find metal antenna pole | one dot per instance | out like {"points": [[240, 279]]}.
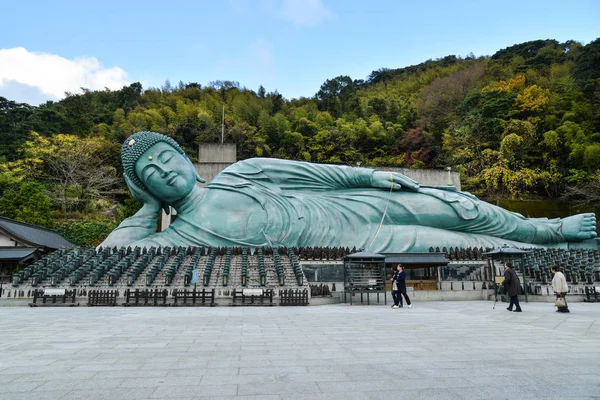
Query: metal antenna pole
{"points": [[223, 126]]}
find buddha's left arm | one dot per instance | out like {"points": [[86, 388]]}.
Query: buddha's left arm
{"points": [[295, 175]]}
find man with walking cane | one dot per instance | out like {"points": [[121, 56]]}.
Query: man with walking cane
{"points": [[512, 285]]}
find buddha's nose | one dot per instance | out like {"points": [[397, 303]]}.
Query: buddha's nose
{"points": [[165, 172]]}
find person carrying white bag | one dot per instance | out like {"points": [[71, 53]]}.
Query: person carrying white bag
{"points": [[559, 284]]}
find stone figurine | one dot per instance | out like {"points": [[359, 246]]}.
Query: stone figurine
{"points": [[272, 202]]}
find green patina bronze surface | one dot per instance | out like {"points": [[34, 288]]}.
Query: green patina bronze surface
{"points": [[271, 202]]}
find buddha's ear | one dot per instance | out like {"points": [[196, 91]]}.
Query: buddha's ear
{"points": [[198, 177]]}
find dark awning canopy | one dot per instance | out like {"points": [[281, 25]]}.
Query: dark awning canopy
{"points": [[15, 253], [425, 259]]}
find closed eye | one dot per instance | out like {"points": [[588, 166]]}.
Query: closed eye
{"points": [[149, 173], [165, 156]]}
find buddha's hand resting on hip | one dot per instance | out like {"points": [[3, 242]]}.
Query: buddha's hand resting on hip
{"points": [[395, 180]]}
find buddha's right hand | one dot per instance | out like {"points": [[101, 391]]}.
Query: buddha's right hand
{"points": [[393, 180], [144, 196]]}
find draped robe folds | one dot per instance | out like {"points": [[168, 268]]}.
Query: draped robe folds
{"points": [[310, 204]]}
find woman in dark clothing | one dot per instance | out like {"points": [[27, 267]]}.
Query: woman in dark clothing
{"points": [[400, 279], [395, 293], [512, 285]]}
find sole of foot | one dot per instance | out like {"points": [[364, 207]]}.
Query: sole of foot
{"points": [[579, 227]]}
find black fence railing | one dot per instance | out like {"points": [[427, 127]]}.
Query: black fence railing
{"points": [[291, 297], [252, 297], [184, 297], [146, 297], [591, 295], [54, 297], [102, 297]]}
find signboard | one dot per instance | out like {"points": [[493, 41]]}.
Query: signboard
{"points": [[252, 292], [54, 292], [195, 274]]}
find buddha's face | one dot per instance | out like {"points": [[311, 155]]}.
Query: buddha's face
{"points": [[167, 174]]}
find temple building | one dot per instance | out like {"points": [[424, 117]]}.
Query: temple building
{"points": [[22, 243]]}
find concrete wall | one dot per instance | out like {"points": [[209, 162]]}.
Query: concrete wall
{"points": [[208, 171], [217, 153], [428, 176], [214, 158]]}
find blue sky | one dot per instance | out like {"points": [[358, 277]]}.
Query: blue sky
{"points": [[293, 46]]}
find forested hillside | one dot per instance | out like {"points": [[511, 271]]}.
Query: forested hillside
{"points": [[521, 124]]}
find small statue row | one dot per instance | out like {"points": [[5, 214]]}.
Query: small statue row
{"points": [[462, 254], [320, 290]]}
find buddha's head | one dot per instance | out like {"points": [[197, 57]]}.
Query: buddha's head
{"points": [[156, 163]]}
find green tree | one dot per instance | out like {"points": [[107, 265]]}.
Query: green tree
{"points": [[27, 202], [334, 94]]}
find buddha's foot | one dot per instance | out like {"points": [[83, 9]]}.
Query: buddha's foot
{"points": [[579, 227]]}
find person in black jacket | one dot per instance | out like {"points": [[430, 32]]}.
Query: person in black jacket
{"points": [[399, 279], [512, 285], [395, 293]]}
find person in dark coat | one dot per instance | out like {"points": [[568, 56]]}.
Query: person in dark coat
{"points": [[400, 279], [395, 293], [512, 285]]}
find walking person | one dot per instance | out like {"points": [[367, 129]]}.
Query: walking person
{"points": [[395, 293], [512, 285], [401, 279], [559, 284]]}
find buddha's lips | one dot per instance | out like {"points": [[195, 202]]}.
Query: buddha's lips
{"points": [[172, 179]]}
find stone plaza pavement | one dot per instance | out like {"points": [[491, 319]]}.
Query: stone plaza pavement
{"points": [[436, 350]]}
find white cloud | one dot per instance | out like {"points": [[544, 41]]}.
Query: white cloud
{"points": [[53, 75], [305, 12]]}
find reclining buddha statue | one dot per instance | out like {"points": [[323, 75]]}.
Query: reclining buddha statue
{"points": [[271, 202]]}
